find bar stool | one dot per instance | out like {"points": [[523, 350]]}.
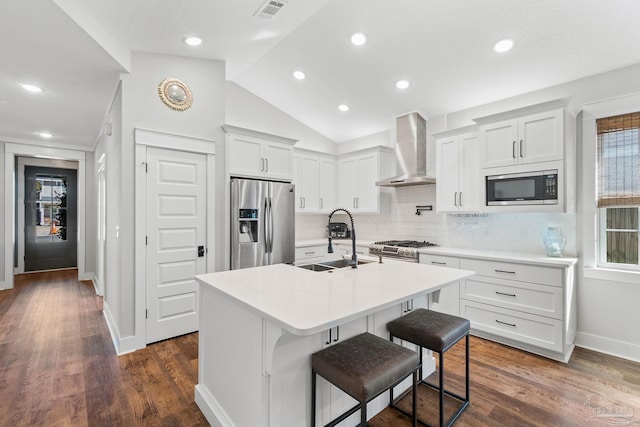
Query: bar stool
{"points": [[437, 332], [364, 367]]}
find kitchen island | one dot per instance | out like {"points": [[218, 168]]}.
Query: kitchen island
{"points": [[259, 326]]}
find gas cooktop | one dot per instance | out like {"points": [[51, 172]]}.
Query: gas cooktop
{"points": [[406, 250], [405, 243]]}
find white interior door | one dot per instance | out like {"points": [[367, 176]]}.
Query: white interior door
{"points": [[176, 239]]}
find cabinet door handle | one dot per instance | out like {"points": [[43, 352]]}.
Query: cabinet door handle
{"points": [[455, 199], [460, 198], [522, 148], [261, 164], [505, 323], [438, 263], [300, 203], [321, 203], [266, 165], [337, 338], [329, 340], [310, 253], [505, 271], [513, 150], [354, 202], [304, 202], [357, 202], [505, 294]]}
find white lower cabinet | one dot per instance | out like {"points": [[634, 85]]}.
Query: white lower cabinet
{"points": [[310, 254], [527, 306], [446, 300]]}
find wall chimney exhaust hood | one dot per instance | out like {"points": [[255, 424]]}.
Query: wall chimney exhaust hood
{"points": [[411, 153]]}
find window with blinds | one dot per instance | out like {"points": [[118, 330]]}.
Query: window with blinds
{"points": [[618, 188], [619, 160]]}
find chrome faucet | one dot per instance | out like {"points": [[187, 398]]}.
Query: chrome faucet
{"points": [[354, 257]]}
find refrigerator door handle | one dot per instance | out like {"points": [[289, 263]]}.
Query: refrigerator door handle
{"points": [[270, 226]]}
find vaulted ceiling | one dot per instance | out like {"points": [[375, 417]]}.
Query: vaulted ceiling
{"points": [[75, 50]]}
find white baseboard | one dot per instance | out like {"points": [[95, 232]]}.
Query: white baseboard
{"points": [[121, 345], [609, 346], [210, 408]]}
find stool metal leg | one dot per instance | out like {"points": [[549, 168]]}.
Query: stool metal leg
{"points": [[363, 415], [441, 358], [313, 398]]}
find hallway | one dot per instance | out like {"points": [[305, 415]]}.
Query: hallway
{"points": [[58, 365]]}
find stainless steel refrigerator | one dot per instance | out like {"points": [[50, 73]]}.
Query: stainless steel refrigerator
{"points": [[262, 223]]}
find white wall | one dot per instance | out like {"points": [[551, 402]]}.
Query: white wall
{"points": [[111, 147], [3, 231], [142, 108], [246, 110]]}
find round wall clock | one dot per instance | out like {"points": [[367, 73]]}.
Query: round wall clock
{"points": [[175, 94]]}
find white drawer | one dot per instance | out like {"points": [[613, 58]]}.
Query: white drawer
{"points": [[440, 260], [523, 327], [514, 271], [311, 252], [528, 297]]}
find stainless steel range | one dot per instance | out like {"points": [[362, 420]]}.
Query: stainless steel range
{"points": [[401, 250]]}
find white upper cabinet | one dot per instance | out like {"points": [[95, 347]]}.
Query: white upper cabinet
{"points": [[357, 176], [258, 155], [528, 139], [458, 172], [314, 178], [327, 185]]}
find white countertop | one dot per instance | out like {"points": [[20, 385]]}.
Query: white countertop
{"points": [[500, 256], [306, 302]]}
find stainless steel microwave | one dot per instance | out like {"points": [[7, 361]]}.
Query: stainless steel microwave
{"points": [[529, 188]]}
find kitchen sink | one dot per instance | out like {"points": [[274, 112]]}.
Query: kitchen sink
{"points": [[341, 263], [315, 267], [331, 265]]}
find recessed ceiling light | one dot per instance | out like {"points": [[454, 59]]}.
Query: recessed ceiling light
{"points": [[402, 84], [193, 41], [503, 46], [45, 134], [31, 88], [300, 75], [358, 39], [343, 107]]}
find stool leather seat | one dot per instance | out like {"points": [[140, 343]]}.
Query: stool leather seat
{"points": [[365, 365], [430, 329]]}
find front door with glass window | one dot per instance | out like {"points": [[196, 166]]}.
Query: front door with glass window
{"points": [[50, 218]]}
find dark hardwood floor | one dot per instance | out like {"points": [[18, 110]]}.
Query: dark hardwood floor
{"points": [[58, 368]]}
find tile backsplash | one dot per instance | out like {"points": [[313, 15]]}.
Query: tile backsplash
{"points": [[521, 232]]}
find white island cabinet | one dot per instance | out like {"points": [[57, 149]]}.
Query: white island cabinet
{"points": [[259, 327]]}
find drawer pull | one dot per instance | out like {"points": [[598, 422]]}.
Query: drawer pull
{"points": [[438, 263], [505, 294], [310, 253], [505, 323], [505, 271]]}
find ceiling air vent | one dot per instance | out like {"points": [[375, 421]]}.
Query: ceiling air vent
{"points": [[269, 9]]}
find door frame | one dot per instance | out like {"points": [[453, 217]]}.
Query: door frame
{"points": [[146, 138], [31, 161], [13, 150]]}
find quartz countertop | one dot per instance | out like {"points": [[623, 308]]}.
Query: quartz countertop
{"points": [[500, 256], [305, 302]]}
